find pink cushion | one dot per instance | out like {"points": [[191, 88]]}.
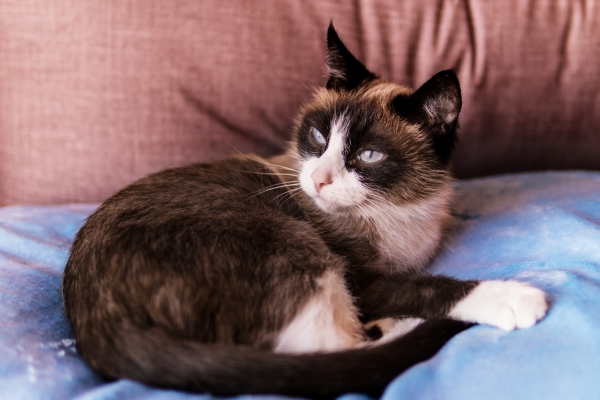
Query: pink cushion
{"points": [[95, 94]]}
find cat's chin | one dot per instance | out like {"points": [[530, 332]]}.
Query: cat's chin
{"points": [[323, 205], [329, 207]]}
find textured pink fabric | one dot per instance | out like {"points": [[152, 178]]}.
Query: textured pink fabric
{"points": [[95, 94]]}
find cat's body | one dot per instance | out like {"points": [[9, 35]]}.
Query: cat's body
{"points": [[198, 278]]}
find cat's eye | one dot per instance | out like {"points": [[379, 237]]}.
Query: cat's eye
{"points": [[370, 156], [318, 136]]}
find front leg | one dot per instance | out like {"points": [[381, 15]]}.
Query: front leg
{"points": [[505, 304]]}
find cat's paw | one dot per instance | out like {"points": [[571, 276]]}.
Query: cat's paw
{"points": [[506, 304]]}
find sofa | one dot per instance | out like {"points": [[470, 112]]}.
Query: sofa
{"points": [[97, 94]]}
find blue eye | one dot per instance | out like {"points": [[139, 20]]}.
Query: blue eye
{"points": [[370, 156], [318, 136]]}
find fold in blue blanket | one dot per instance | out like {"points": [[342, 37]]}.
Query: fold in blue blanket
{"points": [[541, 228]]}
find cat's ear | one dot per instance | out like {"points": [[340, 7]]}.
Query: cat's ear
{"points": [[435, 106], [345, 71]]}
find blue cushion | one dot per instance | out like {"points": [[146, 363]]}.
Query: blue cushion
{"points": [[541, 228]]}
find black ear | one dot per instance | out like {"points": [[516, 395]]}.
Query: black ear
{"points": [[435, 106], [345, 71]]}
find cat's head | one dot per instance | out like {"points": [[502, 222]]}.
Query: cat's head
{"points": [[365, 140]]}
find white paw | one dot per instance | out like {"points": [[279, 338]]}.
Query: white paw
{"points": [[506, 304]]}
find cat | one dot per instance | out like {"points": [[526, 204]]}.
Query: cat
{"points": [[302, 274]]}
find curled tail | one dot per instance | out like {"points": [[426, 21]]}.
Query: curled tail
{"points": [[154, 358]]}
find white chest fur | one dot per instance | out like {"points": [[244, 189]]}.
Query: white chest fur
{"points": [[409, 235]]}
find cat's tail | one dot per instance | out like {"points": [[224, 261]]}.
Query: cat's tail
{"points": [[152, 357]]}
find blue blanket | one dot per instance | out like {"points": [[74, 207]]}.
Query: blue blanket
{"points": [[540, 228]]}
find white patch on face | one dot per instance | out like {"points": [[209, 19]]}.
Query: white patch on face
{"points": [[409, 235], [506, 304], [328, 322], [343, 188]]}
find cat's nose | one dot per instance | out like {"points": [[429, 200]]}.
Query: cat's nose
{"points": [[321, 178]]}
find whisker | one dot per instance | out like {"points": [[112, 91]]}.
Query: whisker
{"points": [[280, 166], [274, 187], [379, 197], [289, 193], [265, 162], [234, 148], [267, 173], [312, 90]]}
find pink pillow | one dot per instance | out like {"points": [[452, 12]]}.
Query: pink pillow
{"points": [[95, 94]]}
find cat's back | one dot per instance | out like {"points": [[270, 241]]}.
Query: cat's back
{"points": [[189, 246], [229, 186]]}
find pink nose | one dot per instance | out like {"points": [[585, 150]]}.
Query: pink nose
{"points": [[320, 178]]}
